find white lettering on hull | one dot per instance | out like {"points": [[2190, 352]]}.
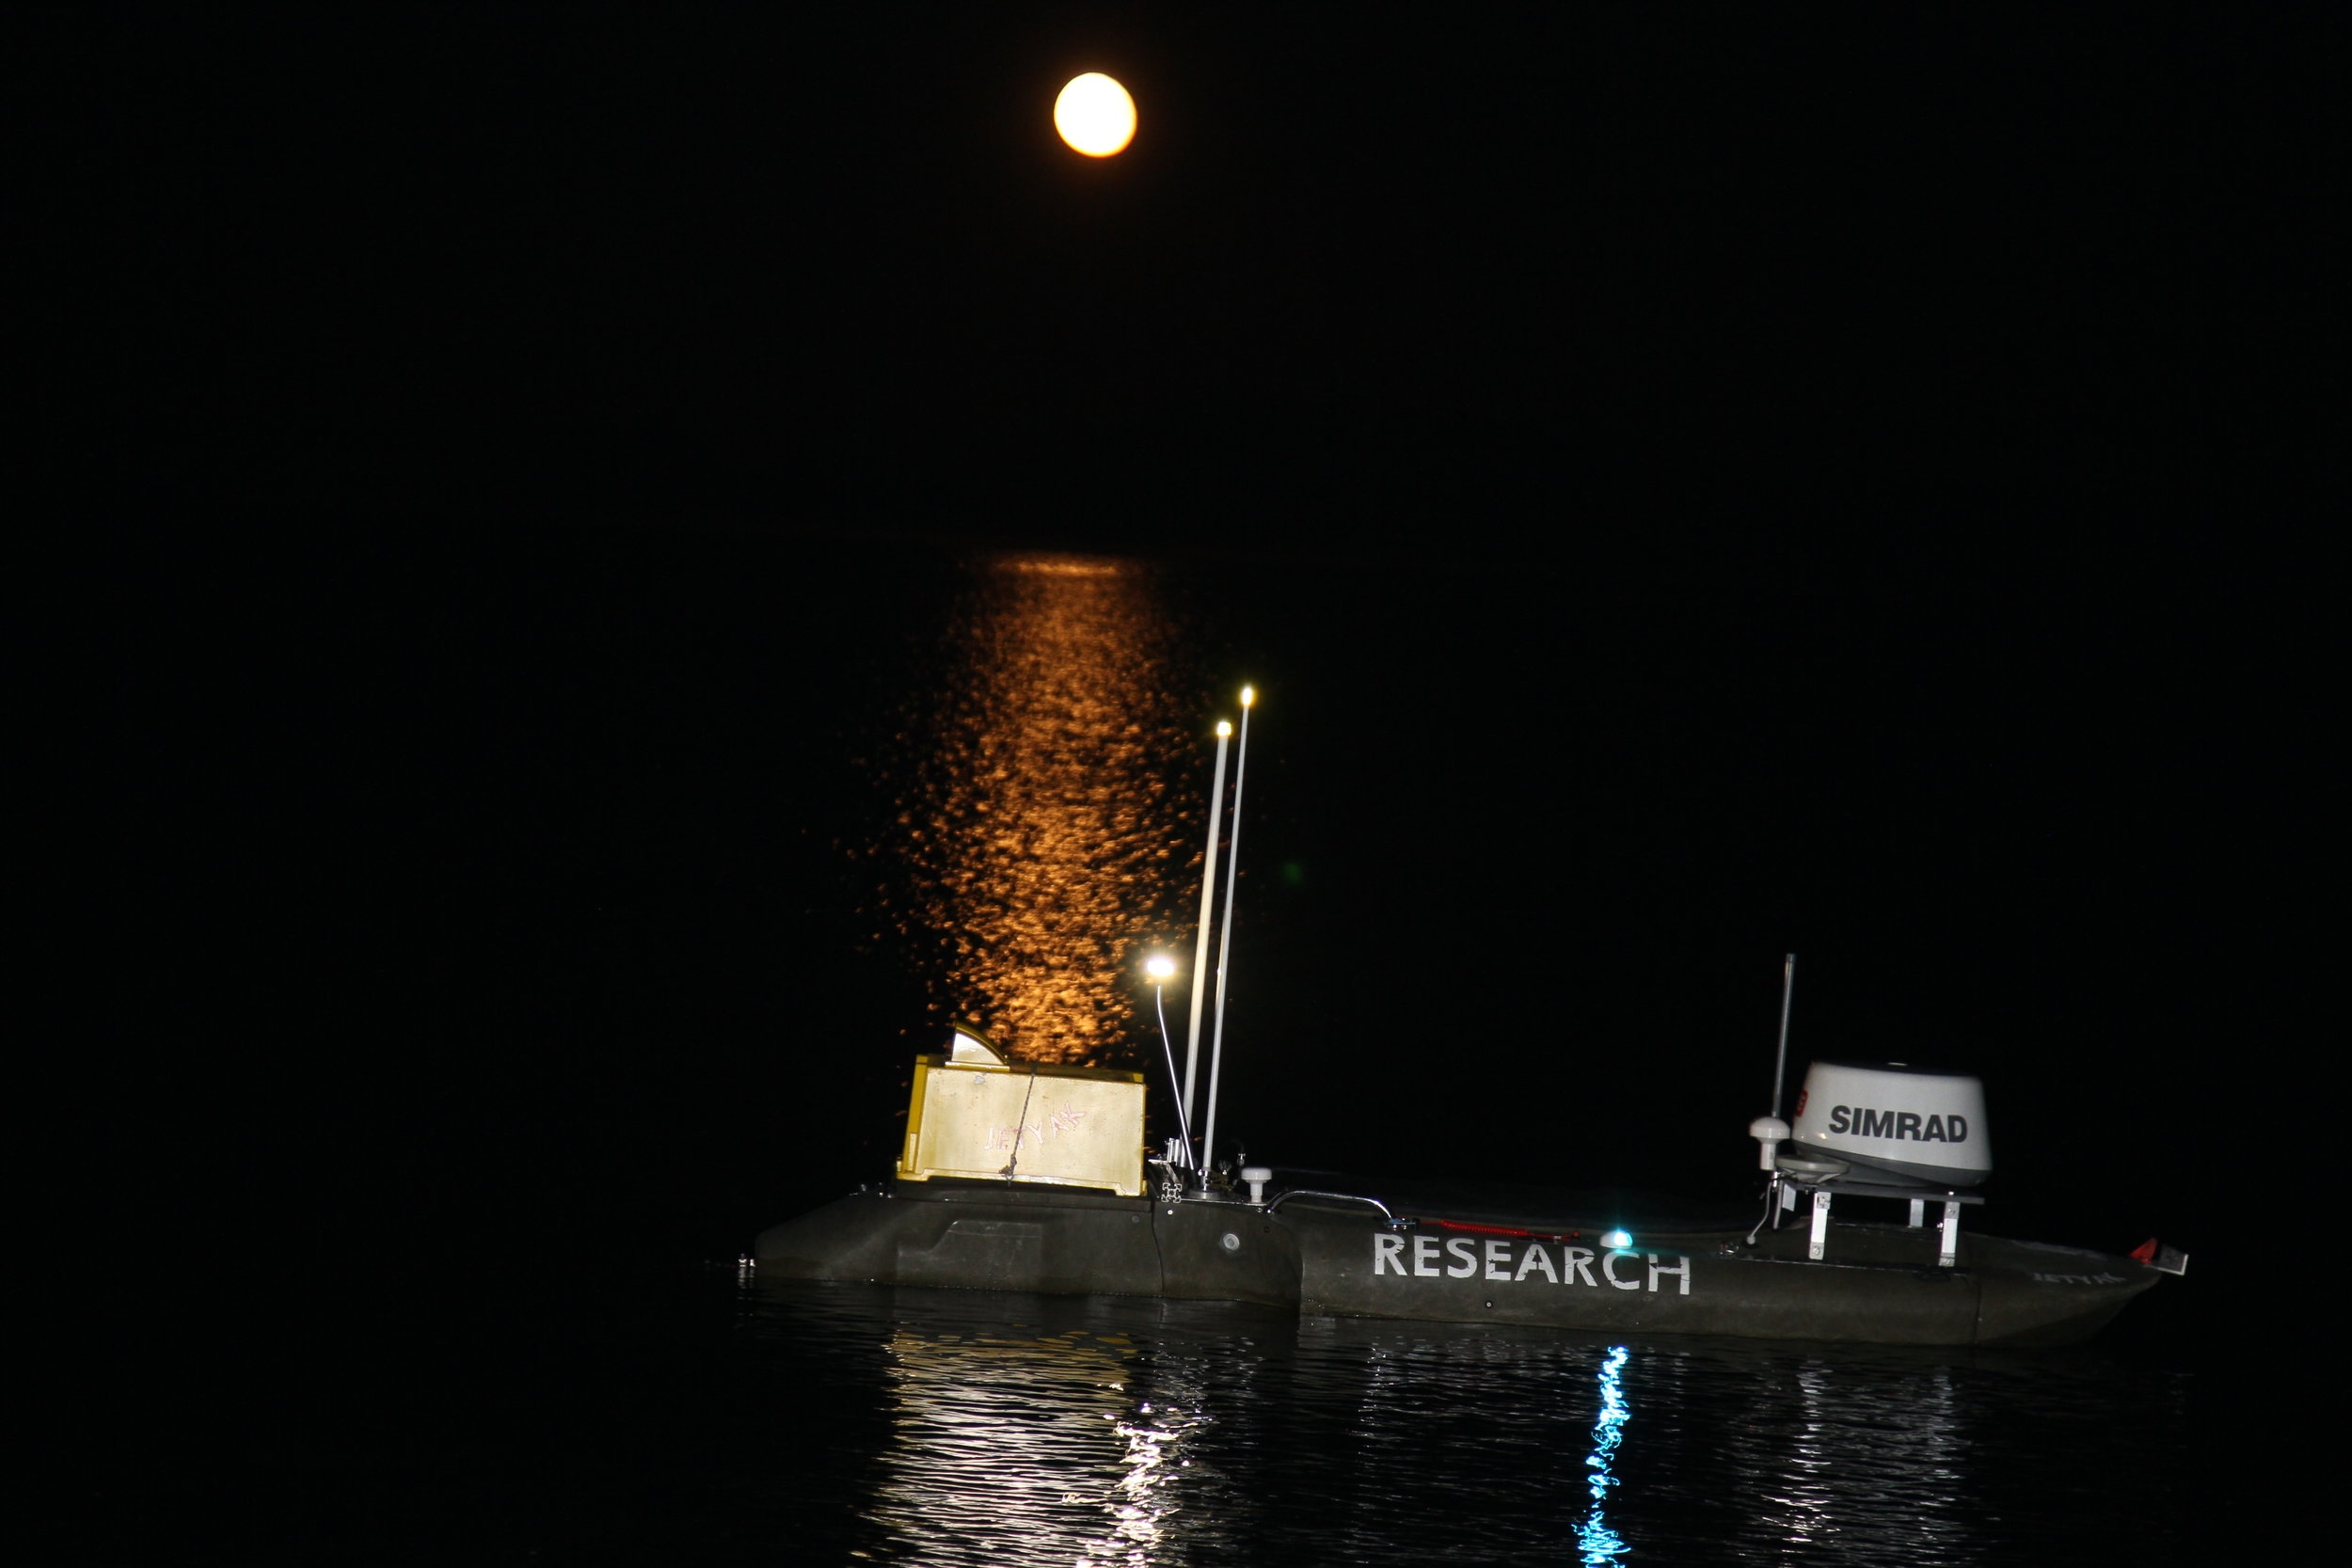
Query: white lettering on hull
{"points": [[1608, 1267], [1462, 1260]]}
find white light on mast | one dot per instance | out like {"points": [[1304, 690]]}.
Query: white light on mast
{"points": [[1225, 940], [1159, 966]]}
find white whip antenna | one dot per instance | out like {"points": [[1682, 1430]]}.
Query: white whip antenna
{"points": [[1780, 1065], [1201, 949], [1225, 940]]}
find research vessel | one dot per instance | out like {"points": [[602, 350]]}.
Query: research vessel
{"points": [[1027, 1176], [1020, 1177]]}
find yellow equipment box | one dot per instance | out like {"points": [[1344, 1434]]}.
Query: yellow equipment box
{"points": [[976, 1115]]}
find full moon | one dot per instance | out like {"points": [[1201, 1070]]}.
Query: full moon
{"points": [[1095, 116]]}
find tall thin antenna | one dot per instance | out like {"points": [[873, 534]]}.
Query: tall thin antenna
{"points": [[1780, 1066], [1201, 949], [1183, 1125], [1225, 940]]}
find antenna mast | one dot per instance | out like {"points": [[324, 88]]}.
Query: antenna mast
{"points": [[1201, 949], [1225, 941], [1780, 1065]]}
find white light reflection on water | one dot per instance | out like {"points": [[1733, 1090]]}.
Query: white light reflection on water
{"points": [[1041, 1451], [1045, 805], [1597, 1541], [1870, 1464], [1147, 1498], [1038, 1433]]}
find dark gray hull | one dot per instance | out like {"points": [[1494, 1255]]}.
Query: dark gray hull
{"points": [[1880, 1284], [1057, 1240]]}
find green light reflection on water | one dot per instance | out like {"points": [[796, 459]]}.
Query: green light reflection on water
{"points": [[1598, 1542]]}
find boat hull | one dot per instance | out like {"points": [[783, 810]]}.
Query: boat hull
{"points": [[1056, 1240], [1878, 1285]]}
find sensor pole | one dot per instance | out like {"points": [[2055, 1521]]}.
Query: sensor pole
{"points": [[1184, 1123], [1780, 1065], [1201, 949], [1769, 1131], [1225, 940]]}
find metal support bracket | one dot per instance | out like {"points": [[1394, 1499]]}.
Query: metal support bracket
{"points": [[1953, 1199]]}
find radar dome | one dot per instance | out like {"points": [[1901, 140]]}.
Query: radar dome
{"points": [[1913, 1123]]}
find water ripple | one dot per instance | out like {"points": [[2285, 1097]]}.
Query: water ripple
{"points": [[1034, 1431]]}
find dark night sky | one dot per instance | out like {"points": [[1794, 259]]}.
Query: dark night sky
{"points": [[757, 269], [1920, 416]]}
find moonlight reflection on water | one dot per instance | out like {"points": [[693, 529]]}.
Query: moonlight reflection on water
{"points": [[1047, 803]]}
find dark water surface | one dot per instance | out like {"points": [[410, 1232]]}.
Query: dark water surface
{"points": [[729, 1422], [1038, 1432]]}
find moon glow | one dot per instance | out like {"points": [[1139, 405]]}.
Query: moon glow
{"points": [[1095, 116]]}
